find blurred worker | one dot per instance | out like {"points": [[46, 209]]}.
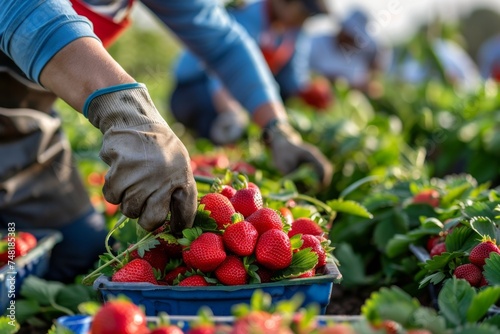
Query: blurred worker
{"points": [[351, 54], [277, 27], [150, 174], [489, 58]]}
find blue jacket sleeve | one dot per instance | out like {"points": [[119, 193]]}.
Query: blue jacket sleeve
{"points": [[33, 31], [225, 48]]}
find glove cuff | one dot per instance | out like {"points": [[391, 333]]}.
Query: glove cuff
{"points": [[121, 106]]}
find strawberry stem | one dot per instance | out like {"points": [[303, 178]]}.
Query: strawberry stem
{"points": [[204, 179], [120, 221]]}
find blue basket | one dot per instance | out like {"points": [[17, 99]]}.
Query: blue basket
{"points": [[180, 300], [35, 263]]}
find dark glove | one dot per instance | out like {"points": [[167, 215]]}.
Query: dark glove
{"points": [[149, 173], [289, 151]]}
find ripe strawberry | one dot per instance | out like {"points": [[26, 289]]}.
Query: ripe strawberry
{"points": [[205, 253], [482, 251], [483, 282], [243, 167], [195, 280], [274, 250], [258, 322], [28, 238], [164, 329], [220, 208], [240, 238], [247, 200], [173, 274], [119, 316], [427, 196], [155, 256], [264, 274], [11, 248], [265, 219], [137, 270], [228, 191], [170, 245], [438, 249], [315, 245], [470, 272], [433, 241], [305, 226], [309, 273], [232, 271]]}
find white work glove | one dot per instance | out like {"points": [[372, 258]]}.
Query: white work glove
{"points": [[228, 127], [150, 173], [289, 151]]}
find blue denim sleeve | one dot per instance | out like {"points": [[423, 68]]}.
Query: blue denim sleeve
{"points": [[225, 48], [33, 31]]}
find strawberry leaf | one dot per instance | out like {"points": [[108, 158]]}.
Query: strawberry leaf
{"points": [[8, 326], [492, 269], [349, 207], [203, 220], [439, 262], [251, 268], [190, 234], [480, 209], [461, 239], [146, 246], [302, 261], [296, 241], [455, 299], [435, 279], [109, 270], [483, 226], [482, 302]]}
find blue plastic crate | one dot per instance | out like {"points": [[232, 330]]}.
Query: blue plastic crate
{"points": [[179, 300], [35, 263]]}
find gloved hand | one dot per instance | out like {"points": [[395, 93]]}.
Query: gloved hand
{"points": [[229, 126], [149, 173], [289, 151]]}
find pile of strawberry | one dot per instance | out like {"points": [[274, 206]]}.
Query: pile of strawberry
{"points": [[14, 245], [235, 240]]}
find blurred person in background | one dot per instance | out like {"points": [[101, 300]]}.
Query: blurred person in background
{"points": [[150, 174], [351, 54], [277, 27], [489, 58]]}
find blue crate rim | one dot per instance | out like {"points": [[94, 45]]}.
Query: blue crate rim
{"points": [[332, 275]]}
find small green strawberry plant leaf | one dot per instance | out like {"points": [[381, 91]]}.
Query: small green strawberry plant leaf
{"points": [[455, 299], [296, 241], [147, 246], [379, 201], [355, 185], [251, 268], [493, 320], [302, 261], [480, 209], [349, 207], [189, 235], [354, 274], [434, 278], [40, 290], [461, 239], [89, 307], [484, 226], [442, 261], [492, 269], [482, 328], [482, 302], [8, 325], [105, 258], [386, 229], [27, 309], [454, 194], [203, 220]]}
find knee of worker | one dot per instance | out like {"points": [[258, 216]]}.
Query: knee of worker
{"points": [[78, 252], [191, 105]]}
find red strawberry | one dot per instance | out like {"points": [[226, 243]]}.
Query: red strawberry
{"points": [[155, 256], [195, 280], [28, 238], [482, 251], [265, 219], [137, 270], [202, 329], [315, 245], [12, 247], [164, 329], [228, 191], [433, 241], [205, 253], [274, 250], [305, 226], [232, 271], [258, 322], [264, 274], [173, 274], [170, 245], [220, 208], [483, 282], [470, 272], [119, 316], [240, 238], [247, 200], [438, 249], [309, 273], [427, 196]]}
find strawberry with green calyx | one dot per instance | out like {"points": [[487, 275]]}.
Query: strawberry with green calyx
{"points": [[247, 199], [203, 323], [302, 261], [438, 249], [194, 278], [137, 270], [170, 245], [274, 250], [240, 237], [224, 189], [173, 269], [305, 225], [470, 272], [427, 196], [310, 241], [232, 271], [155, 255], [202, 250], [220, 208], [482, 251], [119, 316], [165, 326], [265, 219], [287, 216]]}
